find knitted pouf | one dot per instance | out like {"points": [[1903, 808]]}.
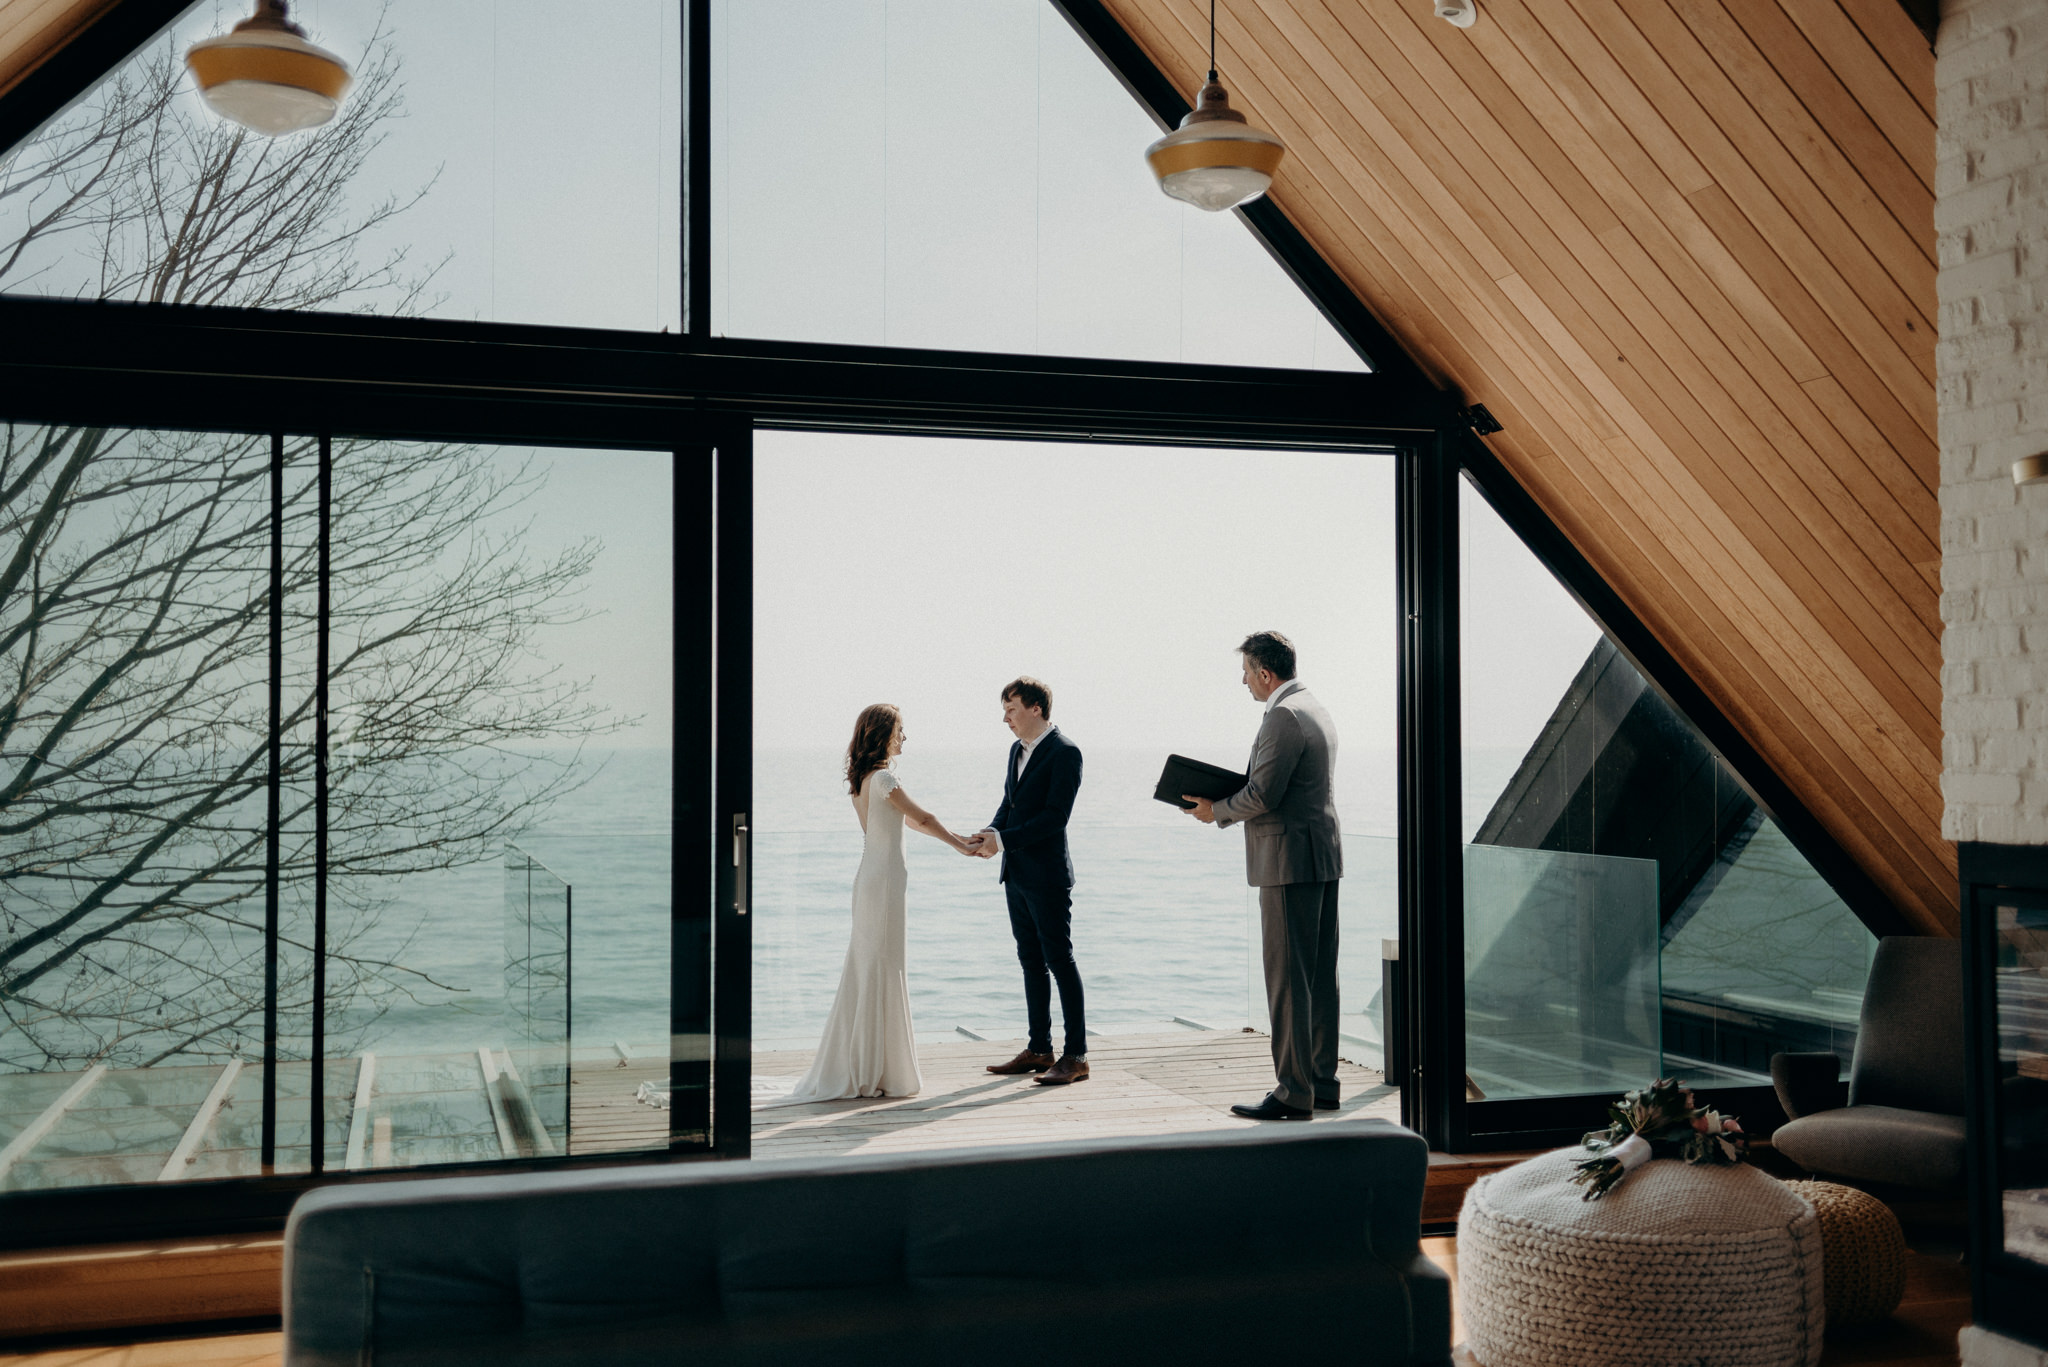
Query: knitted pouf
{"points": [[1862, 1249], [1678, 1265]]}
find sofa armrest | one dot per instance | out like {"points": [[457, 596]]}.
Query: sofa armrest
{"points": [[1808, 1083]]}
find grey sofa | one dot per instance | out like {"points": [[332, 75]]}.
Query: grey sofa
{"points": [[1900, 1120], [1201, 1248]]}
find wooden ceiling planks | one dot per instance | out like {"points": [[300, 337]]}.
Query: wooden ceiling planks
{"points": [[1684, 250], [31, 30]]}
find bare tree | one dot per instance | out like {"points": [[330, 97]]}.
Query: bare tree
{"points": [[134, 602]]}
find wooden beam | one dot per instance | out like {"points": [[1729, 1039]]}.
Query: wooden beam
{"points": [[18, 1148], [359, 1119], [195, 1133], [508, 1140]]}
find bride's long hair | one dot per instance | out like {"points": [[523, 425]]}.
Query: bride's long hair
{"points": [[870, 748]]}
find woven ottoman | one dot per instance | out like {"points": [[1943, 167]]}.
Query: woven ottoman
{"points": [[1677, 1265], [1863, 1250]]}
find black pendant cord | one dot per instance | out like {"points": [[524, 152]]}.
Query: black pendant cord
{"points": [[274, 778], [1212, 42], [318, 1096]]}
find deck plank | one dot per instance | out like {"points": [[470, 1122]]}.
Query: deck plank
{"points": [[1166, 1083]]}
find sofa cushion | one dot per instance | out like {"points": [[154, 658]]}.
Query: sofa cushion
{"points": [[1123, 1252], [1878, 1144]]}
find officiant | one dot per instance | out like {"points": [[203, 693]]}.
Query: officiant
{"points": [[1294, 856]]}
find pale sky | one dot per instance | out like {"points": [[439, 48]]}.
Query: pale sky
{"points": [[930, 572]]}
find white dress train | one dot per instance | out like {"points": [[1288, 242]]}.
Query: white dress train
{"points": [[869, 1047]]}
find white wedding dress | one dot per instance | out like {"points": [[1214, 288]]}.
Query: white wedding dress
{"points": [[869, 1048]]}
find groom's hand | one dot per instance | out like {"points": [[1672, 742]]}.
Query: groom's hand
{"points": [[1204, 810]]}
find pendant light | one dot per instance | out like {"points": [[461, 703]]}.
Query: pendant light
{"points": [[266, 77], [1215, 160]]}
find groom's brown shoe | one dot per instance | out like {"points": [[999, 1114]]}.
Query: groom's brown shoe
{"points": [[1026, 1062], [1068, 1069]]}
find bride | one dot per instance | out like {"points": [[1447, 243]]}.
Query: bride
{"points": [[868, 1048]]}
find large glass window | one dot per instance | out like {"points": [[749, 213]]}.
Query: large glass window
{"points": [[1630, 911], [498, 677], [508, 160], [134, 799], [924, 173], [500, 690]]}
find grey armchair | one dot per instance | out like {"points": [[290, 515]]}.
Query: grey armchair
{"points": [[1900, 1119]]}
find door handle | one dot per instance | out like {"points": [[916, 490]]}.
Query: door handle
{"points": [[741, 871]]}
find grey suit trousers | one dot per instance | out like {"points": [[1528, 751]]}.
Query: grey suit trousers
{"points": [[1298, 924]]}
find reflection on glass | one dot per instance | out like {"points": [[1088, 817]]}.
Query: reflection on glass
{"points": [[2022, 1006], [133, 780], [1561, 991], [510, 160], [500, 687], [1569, 750], [1764, 954], [984, 191], [499, 758]]}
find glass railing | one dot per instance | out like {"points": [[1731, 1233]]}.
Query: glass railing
{"points": [[496, 1087], [1562, 990], [533, 1086]]}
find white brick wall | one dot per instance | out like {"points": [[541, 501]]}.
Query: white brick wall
{"points": [[1991, 221]]}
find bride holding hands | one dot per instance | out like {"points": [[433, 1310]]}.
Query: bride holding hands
{"points": [[868, 1048]]}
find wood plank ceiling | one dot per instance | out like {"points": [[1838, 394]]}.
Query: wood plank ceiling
{"points": [[1684, 251], [32, 30]]}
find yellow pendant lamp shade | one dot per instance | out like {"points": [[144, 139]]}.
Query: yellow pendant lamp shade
{"points": [[266, 77], [1215, 160]]}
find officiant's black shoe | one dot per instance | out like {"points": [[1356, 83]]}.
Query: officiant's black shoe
{"points": [[1272, 1108], [1026, 1062], [1068, 1069], [1327, 1103]]}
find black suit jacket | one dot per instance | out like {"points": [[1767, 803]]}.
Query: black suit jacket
{"points": [[1033, 818]]}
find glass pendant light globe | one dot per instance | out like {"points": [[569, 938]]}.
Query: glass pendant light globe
{"points": [[265, 76], [1215, 160]]}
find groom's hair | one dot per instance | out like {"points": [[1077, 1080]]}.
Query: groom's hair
{"points": [[1270, 650], [1031, 693]]}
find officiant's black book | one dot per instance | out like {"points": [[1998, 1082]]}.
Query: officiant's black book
{"points": [[1184, 775]]}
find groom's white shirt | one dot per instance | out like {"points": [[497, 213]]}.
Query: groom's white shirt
{"points": [[1023, 763]]}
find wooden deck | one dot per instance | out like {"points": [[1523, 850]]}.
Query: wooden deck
{"points": [[1139, 1085], [1177, 1083]]}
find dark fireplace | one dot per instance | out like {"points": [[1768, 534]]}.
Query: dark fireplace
{"points": [[2005, 976]]}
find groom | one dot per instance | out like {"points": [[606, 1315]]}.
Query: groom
{"points": [[1030, 832]]}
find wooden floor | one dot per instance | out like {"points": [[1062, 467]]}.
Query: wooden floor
{"points": [[1921, 1334], [1142, 1084]]}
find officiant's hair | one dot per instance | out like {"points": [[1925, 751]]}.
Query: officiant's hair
{"points": [[1270, 650], [870, 748], [1029, 692]]}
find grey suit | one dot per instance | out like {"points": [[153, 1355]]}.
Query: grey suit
{"points": [[1294, 855]]}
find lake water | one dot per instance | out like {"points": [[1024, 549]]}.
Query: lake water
{"points": [[1163, 921]]}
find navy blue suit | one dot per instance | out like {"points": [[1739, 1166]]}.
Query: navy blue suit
{"points": [[1038, 878]]}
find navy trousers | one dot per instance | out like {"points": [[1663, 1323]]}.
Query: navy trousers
{"points": [[1042, 920]]}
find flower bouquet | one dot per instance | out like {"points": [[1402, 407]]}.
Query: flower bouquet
{"points": [[1659, 1121]]}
